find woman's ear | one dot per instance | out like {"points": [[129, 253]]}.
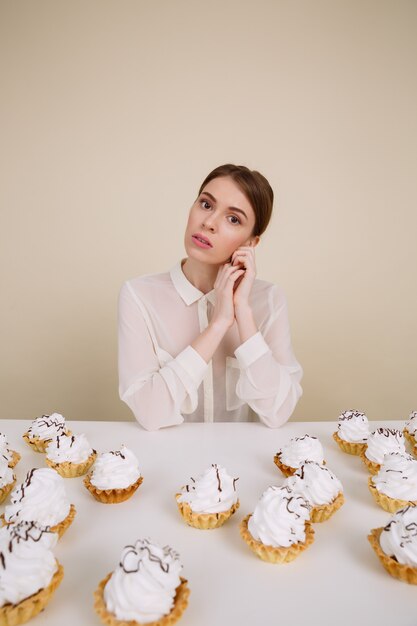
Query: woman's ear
{"points": [[253, 241]]}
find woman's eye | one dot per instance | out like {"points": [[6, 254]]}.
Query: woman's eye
{"points": [[204, 202], [234, 219]]}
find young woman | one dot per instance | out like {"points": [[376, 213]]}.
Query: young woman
{"points": [[208, 341]]}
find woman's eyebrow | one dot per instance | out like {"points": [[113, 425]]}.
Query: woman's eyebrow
{"points": [[231, 208]]}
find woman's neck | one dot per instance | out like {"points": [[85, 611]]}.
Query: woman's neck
{"points": [[201, 275]]}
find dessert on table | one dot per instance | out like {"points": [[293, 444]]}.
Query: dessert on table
{"points": [[395, 484], [320, 487], [279, 528], [43, 429], [396, 544], [352, 431], [380, 442], [145, 588], [41, 498], [115, 476], [29, 572], [410, 428], [7, 479], [70, 455], [12, 457], [210, 500], [296, 451]]}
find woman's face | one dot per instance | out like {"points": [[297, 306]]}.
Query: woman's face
{"points": [[223, 218]]}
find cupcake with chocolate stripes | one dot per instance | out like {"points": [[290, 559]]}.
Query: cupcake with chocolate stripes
{"points": [[70, 455], [145, 588], [29, 572], [279, 528], [395, 485], [115, 476], [209, 500], [381, 442], [43, 429], [352, 432], [299, 449]]}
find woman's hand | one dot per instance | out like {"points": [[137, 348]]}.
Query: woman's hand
{"points": [[244, 257], [224, 310]]}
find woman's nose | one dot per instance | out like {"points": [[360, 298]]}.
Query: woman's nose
{"points": [[210, 223]]}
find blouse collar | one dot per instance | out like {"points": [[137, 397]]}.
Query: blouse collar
{"points": [[186, 290]]}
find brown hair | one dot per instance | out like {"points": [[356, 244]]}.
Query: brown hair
{"points": [[255, 187]]}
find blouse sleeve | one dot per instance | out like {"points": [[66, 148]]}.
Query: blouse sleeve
{"points": [[157, 394], [270, 375]]}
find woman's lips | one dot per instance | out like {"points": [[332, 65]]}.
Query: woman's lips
{"points": [[201, 244]]}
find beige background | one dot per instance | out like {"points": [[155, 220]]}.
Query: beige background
{"points": [[112, 114]]}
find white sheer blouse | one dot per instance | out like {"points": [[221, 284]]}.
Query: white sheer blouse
{"points": [[165, 381]]}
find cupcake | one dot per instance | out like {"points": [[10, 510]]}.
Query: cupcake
{"points": [[70, 455], [352, 432], [43, 429], [381, 442], [296, 451], [145, 588], [115, 476], [29, 574], [410, 428], [396, 545], [210, 500], [7, 479], [279, 529], [41, 498], [12, 457], [320, 487], [395, 484]]}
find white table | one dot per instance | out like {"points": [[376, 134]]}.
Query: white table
{"points": [[338, 580]]}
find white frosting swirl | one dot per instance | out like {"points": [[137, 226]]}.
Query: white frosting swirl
{"points": [[316, 483], [279, 517], [142, 588], [4, 448], [115, 470], [397, 477], [40, 498], [300, 449], [47, 426], [411, 425], [73, 448], [353, 426], [399, 537], [6, 473], [382, 441], [212, 492], [27, 563]]}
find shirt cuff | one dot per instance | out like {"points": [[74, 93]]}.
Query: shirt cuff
{"points": [[251, 350], [193, 364]]}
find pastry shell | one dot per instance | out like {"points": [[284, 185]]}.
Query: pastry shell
{"points": [[286, 469], [391, 505], [57, 528], [37, 444], [273, 554], [350, 447], [180, 604], [112, 496], [4, 491], [373, 467], [405, 573], [323, 512], [14, 614], [69, 469], [204, 521]]}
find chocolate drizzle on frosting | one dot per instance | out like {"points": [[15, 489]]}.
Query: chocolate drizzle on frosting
{"points": [[24, 531], [133, 556]]}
